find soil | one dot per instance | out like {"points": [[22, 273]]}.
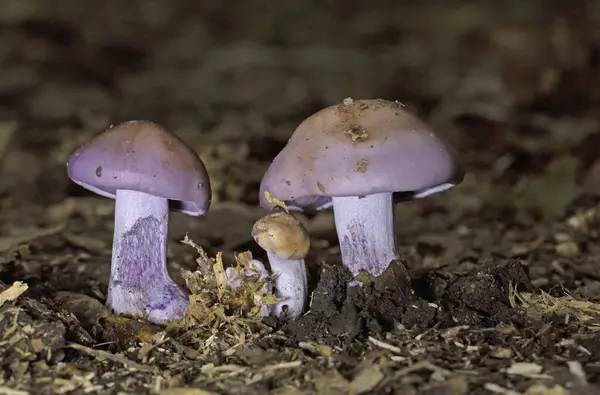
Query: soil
{"points": [[504, 289]]}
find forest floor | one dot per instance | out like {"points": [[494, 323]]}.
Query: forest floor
{"points": [[505, 267]]}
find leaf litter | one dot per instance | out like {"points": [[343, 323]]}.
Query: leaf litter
{"points": [[13, 292], [542, 305], [477, 335], [221, 316]]}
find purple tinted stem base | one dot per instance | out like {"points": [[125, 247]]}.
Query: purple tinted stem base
{"points": [[366, 232], [291, 286], [139, 282]]}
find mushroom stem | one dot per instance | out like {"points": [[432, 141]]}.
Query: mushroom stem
{"points": [[366, 232], [139, 281], [291, 285]]}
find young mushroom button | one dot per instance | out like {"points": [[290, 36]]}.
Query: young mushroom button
{"points": [[361, 156], [147, 170], [286, 242]]}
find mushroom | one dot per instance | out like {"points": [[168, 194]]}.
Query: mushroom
{"points": [[148, 171], [286, 242], [361, 157]]}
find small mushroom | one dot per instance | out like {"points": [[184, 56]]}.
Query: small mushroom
{"points": [[286, 242], [361, 156], [147, 170]]}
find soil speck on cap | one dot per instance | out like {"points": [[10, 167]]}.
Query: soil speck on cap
{"points": [[357, 133], [321, 188], [361, 166]]}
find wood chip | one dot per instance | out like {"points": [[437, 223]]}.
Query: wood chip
{"points": [[101, 354], [385, 345], [539, 389], [321, 349], [527, 369], [10, 391], [496, 389], [576, 370], [366, 380], [12, 293], [185, 391], [282, 365], [9, 242]]}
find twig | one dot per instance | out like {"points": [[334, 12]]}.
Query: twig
{"points": [[10, 391], [385, 345], [13, 292], [112, 357]]}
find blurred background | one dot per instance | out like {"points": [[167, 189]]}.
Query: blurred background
{"points": [[514, 85]]}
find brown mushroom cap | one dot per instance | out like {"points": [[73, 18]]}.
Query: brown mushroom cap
{"points": [[356, 148], [142, 156], [283, 235]]}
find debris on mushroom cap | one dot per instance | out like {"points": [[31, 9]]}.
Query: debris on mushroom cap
{"points": [[283, 235], [356, 148], [275, 202], [144, 157]]}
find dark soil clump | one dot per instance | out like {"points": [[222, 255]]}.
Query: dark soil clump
{"points": [[480, 298], [441, 299]]}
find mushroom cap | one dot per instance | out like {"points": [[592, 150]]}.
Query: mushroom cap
{"points": [[142, 156], [281, 234], [357, 148]]}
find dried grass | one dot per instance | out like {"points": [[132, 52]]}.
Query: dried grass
{"points": [[220, 315], [543, 305]]}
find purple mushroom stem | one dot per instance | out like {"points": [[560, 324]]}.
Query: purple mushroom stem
{"points": [[148, 171], [139, 281], [366, 232], [291, 285]]}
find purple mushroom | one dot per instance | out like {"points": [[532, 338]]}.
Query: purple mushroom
{"points": [[361, 157], [148, 171]]}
